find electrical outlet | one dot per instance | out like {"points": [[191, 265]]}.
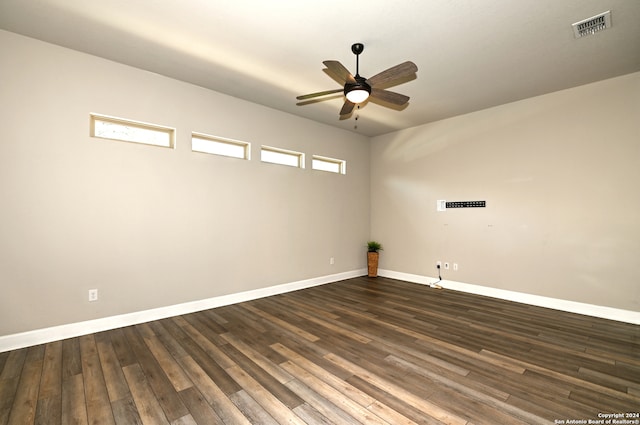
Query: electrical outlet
{"points": [[93, 295], [332, 260], [455, 267], [439, 264], [446, 266]]}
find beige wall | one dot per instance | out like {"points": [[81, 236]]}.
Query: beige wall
{"points": [[149, 226], [560, 174]]}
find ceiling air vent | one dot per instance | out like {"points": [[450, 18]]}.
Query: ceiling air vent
{"points": [[592, 25]]}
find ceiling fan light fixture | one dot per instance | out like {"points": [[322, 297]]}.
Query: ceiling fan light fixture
{"points": [[357, 94]]}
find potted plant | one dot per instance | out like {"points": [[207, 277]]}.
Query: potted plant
{"points": [[372, 257]]}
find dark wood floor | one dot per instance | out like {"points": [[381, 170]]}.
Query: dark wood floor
{"points": [[359, 351]]}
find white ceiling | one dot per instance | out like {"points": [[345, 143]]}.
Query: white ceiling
{"points": [[471, 54]]}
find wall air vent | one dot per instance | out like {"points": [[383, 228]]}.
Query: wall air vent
{"points": [[592, 25]]}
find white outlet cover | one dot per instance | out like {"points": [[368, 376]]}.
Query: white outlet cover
{"points": [[93, 295]]}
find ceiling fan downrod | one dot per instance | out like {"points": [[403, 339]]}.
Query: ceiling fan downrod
{"points": [[357, 48]]}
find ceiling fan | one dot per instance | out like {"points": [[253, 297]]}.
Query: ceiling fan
{"points": [[358, 89]]}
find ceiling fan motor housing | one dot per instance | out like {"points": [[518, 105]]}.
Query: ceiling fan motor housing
{"points": [[360, 84]]}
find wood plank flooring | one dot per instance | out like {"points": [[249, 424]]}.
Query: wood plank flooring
{"points": [[360, 351]]}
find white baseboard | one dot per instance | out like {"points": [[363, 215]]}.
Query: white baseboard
{"points": [[55, 333], [537, 300]]}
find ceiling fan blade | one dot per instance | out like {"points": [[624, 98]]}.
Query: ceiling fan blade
{"points": [[340, 71], [347, 108], [389, 96], [399, 71], [318, 94]]}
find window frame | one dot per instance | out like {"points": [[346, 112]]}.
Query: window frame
{"points": [[341, 163], [222, 140], [299, 155], [170, 131]]}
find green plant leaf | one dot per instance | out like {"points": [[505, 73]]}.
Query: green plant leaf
{"points": [[373, 246]]}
